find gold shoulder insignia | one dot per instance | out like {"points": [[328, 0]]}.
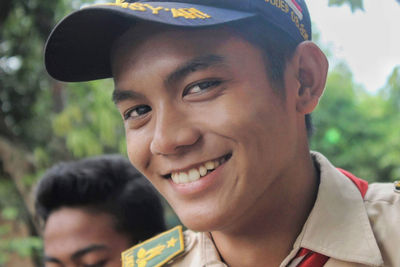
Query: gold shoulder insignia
{"points": [[156, 251], [397, 186]]}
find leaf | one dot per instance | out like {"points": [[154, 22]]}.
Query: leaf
{"points": [[354, 4], [9, 213]]}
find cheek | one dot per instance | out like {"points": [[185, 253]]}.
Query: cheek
{"points": [[138, 147], [256, 121], [244, 115]]}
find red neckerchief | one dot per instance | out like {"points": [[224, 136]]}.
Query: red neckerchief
{"points": [[309, 258]]}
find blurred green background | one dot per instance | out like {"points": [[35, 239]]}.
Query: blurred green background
{"points": [[43, 121]]}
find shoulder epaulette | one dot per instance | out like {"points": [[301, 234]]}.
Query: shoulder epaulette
{"points": [[155, 251]]}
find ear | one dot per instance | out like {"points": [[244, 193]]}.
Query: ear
{"points": [[312, 68]]}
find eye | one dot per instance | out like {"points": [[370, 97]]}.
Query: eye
{"points": [[200, 87], [137, 112]]}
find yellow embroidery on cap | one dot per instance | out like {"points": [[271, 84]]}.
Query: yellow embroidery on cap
{"points": [[198, 13], [154, 10], [187, 13], [296, 15], [137, 7], [281, 4], [182, 12], [121, 3]]}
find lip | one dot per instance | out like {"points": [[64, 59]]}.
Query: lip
{"points": [[204, 183]]}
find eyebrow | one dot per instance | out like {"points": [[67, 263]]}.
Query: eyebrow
{"points": [[77, 254], [119, 95], [51, 259], [195, 64], [88, 249]]}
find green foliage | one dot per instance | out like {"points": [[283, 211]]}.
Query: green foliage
{"points": [[24, 94], [30, 104], [11, 215], [23, 247], [358, 131], [354, 4], [392, 92], [90, 123], [8, 205], [390, 124]]}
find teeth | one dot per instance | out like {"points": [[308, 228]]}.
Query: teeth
{"points": [[209, 165], [216, 164], [202, 170], [183, 178], [194, 174], [175, 178]]}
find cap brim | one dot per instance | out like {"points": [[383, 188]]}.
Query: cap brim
{"points": [[78, 48]]}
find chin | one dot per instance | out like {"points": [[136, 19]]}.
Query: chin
{"points": [[203, 222], [200, 226]]}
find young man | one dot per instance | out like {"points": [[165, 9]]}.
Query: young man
{"points": [[215, 97], [94, 209]]}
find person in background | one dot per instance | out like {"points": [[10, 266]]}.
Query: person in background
{"points": [[93, 209]]}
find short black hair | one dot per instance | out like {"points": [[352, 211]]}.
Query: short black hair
{"points": [[108, 184], [278, 48]]}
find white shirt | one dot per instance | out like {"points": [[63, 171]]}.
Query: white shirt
{"points": [[351, 230]]}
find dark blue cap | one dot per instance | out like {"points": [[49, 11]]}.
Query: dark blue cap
{"points": [[78, 48]]}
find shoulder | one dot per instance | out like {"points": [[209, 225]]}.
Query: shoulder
{"points": [[170, 248], [383, 194], [192, 254], [382, 203]]}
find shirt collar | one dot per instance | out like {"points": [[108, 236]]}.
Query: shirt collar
{"points": [[338, 225]]}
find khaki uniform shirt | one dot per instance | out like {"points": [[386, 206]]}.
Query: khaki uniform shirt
{"points": [[350, 230]]}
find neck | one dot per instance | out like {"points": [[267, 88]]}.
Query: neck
{"points": [[268, 232]]}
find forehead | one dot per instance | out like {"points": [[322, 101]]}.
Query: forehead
{"points": [[142, 31], [150, 41], [76, 228], [75, 216]]}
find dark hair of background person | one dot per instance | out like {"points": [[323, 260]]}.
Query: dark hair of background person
{"points": [[277, 46], [108, 184]]}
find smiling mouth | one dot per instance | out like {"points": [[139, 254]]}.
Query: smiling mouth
{"points": [[195, 173]]}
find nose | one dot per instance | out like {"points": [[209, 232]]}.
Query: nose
{"points": [[174, 132]]}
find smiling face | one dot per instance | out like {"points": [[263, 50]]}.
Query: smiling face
{"points": [[76, 237], [204, 124]]}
